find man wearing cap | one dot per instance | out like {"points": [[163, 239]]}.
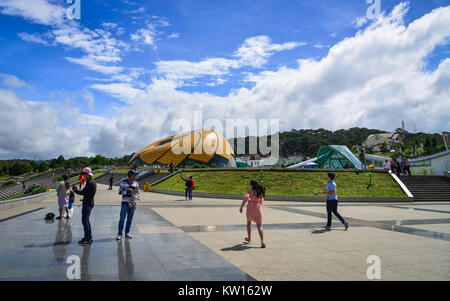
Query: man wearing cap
{"points": [[88, 194], [62, 190], [129, 189]]}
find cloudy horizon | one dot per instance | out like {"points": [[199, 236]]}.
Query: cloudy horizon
{"points": [[115, 80]]}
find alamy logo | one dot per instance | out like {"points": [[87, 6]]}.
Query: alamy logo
{"points": [[374, 10], [374, 270], [74, 11], [73, 271]]}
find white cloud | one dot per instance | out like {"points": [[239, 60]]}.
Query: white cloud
{"points": [[92, 64], [174, 35], [37, 11], [37, 129], [254, 52], [144, 35], [34, 38], [122, 91], [360, 21], [11, 81]]}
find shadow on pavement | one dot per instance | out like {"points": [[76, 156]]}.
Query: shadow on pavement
{"points": [[239, 247]]}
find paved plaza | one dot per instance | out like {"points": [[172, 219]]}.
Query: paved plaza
{"points": [[174, 239]]}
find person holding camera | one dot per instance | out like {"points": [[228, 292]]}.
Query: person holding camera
{"points": [[129, 189], [188, 186], [88, 194]]}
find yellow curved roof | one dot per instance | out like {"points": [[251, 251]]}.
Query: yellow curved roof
{"points": [[198, 145]]}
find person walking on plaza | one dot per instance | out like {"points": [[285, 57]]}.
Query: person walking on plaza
{"points": [[111, 179], [254, 197], [362, 158], [332, 201], [129, 189], [88, 194], [188, 187], [63, 190]]}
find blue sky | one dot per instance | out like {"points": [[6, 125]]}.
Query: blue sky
{"points": [[122, 56]]}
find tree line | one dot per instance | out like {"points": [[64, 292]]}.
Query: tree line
{"points": [[306, 142], [19, 167]]}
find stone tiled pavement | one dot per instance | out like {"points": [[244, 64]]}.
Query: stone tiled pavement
{"points": [[202, 240]]}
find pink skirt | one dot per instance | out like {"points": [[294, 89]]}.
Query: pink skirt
{"points": [[63, 201], [254, 212]]}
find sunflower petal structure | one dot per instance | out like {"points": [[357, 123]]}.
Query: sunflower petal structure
{"points": [[206, 147]]}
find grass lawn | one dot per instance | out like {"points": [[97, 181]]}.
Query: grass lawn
{"points": [[278, 183]]}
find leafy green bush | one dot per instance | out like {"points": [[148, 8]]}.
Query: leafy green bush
{"points": [[35, 189], [96, 167], [214, 165], [196, 165]]}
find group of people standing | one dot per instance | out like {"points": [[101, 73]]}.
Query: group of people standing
{"points": [[129, 189], [398, 167]]}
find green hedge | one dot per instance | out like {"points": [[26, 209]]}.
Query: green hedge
{"points": [[71, 175], [35, 189]]}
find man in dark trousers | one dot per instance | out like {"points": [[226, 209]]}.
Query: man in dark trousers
{"points": [[362, 158], [88, 194], [332, 201], [111, 179]]}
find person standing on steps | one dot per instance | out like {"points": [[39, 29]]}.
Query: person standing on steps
{"points": [[332, 201], [129, 189], [88, 194]]}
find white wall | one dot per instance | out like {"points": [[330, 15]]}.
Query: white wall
{"points": [[438, 167]]}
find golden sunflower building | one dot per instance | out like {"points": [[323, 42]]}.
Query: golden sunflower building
{"points": [[206, 147]]}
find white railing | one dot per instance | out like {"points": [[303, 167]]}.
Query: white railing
{"points": [[403, 186]]}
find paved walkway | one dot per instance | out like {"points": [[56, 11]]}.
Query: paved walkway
{"points": [[174, 239]]}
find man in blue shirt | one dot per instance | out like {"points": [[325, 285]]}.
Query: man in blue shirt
{"points": [[332, 201]]}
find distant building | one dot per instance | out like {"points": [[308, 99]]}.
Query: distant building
{"points": [[375, 141], [436, 164]]}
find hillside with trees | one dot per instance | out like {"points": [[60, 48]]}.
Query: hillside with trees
{"points": [[307, 142]]}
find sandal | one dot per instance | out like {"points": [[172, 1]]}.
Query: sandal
{"points": [[263, 245], [247, 240]]}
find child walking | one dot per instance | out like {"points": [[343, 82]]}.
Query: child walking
{"points": [[255, 198], [332, 201]]}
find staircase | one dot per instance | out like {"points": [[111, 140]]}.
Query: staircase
{"points": [[428, 188], [11, 190]]}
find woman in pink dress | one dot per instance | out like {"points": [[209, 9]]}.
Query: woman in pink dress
{"points": [[255, 198]]}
